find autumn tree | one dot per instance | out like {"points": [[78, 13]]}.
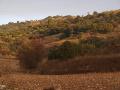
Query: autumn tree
{"points": [[31, 53]]}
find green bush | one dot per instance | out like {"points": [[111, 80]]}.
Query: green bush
{"points": [[65, 51]]}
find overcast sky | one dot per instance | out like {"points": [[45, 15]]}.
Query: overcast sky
{"points": [[19, 10]]}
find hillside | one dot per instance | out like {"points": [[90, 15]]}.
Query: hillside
{"points": [[61, 53], [58, 29]]}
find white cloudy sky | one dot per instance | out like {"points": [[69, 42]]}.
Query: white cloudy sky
{"points": [[14, 10]]}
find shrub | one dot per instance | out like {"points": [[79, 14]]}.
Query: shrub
{"points": [[31, 53], [66, 33], [91, 45], [84, 47], [95, 41], [65, 51]]}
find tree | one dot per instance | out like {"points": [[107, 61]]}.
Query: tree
{"points": [[95, 13], [31, 53]]}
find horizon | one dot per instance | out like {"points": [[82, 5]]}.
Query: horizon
{"points": [[38, 9]]}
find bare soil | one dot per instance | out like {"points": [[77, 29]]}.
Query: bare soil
{"points": [[91, 81]]}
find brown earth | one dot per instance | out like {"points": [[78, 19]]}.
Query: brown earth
{"points": [[86, 78], [91, 81]]}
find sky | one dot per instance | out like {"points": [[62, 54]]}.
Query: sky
{"points": [[21, 10]]}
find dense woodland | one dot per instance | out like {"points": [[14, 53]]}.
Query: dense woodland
{"points": [[63, 27]]}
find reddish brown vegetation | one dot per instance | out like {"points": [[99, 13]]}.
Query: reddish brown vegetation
{"points": [[31, 53], [86, 64]]}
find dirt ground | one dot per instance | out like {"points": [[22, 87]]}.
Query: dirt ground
{"points": [[11, 78], [91, 81]]}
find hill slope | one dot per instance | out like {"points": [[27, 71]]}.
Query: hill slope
{"points": [[59, 27]]}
